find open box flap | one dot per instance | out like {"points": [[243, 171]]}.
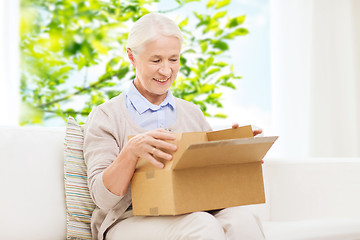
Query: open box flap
{"points": [[240, 132], [231, 151]]}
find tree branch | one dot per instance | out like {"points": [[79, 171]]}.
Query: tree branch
{"points": [[172, 9], [63, 98], [72, 94], [67, 112]]}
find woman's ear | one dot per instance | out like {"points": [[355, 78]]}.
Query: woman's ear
{"points": [[131, 56]]}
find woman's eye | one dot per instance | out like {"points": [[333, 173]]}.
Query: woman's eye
{"points": [[156, 61], [173, 60]]}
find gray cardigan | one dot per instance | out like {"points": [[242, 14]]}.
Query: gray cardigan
{"points": [[105, 134]]}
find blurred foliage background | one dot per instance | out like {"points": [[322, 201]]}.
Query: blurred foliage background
{"points": [[63, 40]]}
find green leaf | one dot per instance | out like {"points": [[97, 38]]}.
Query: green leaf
{"points": [[219, 15], [64, 70], [189, 51], [184, 23], [189, 97], [209, 61], [210, 3], [206, 88], [219, 32], [240, 19], [212, 71], [112, 93], [222, 4], [214, 95], [198, 16], [122, 72], [185, 70], [236, 21], [229, 85], [236, 32], [241, 31], [203, 46], [220, 64], [224, 77], [211, 25], [220, 115], [221, 45], [182, 60]]}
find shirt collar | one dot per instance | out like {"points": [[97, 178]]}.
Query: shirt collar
{"points": [[141, 104]]}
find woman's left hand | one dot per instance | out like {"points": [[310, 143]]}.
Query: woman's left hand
{"points": [[255, 132]]}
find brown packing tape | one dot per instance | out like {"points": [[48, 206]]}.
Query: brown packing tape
{"points": [[154, 211], [150, 174]]}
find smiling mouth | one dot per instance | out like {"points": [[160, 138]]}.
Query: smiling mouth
{"points": [[161, 80]]}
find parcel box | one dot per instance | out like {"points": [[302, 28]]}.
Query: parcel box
{"points": [[210, 170]]}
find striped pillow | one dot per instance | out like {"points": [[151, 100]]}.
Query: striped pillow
{"points": [[79, 205]]}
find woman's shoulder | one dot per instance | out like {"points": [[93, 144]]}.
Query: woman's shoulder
{"points": [[192, 118], [188, 108], [106, 110], [112, 104], [187, 105], [107, 115]]}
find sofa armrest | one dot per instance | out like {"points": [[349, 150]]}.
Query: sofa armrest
{"points": [[32, 183], [313, 188]]}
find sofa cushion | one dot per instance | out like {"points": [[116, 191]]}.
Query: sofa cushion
{"points": [[327, 228], [79, 205]]}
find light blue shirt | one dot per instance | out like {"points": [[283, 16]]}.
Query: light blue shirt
{"points": [[148, 115]]}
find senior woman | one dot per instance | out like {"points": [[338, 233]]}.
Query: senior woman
{"points": [[146, 109]]}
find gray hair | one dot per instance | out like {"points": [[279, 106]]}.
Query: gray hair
{"points": [[148, 28]]}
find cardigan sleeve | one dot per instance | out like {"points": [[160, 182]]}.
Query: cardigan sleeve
{"points": [[100, 150]]}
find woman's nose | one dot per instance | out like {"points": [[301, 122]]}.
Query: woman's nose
{"points": [[165, 70]]}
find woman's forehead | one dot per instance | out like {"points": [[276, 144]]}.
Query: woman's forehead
{"points": [[164, 45]]}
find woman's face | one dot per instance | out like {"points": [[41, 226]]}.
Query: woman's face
{"points": [[157, 66]]}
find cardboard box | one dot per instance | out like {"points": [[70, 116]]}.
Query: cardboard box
{"points": [[210, 170]]}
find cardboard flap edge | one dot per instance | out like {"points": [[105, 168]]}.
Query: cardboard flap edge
{"points": [[210, 146]]}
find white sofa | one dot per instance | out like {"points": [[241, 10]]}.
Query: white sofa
{"points": [[306, 198]]}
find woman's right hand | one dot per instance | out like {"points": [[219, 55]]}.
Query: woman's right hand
{"points": [[148, 145], [151, 144]]}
